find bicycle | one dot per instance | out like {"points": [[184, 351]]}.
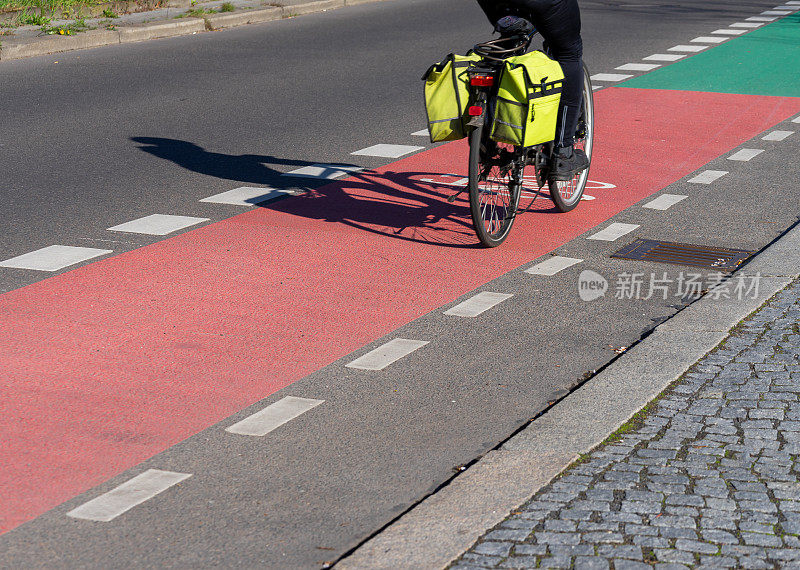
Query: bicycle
{"points": [[496, 170]]}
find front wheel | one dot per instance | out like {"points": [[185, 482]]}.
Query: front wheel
{"points": [[495, 185], [566, 195]]}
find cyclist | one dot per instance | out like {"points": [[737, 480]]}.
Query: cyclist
{"points": [[559, 22]]}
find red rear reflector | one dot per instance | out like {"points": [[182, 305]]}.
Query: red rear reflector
{"points": [[475, 111], [481, 80]]}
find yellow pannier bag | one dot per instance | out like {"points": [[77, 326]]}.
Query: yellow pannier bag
{"points": [[447, 97], [526, 109]]}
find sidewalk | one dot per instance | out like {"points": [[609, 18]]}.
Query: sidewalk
{"points": [[708, 477], [178, 18]]}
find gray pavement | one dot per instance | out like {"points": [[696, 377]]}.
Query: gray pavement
{"points": [[707, 476]]}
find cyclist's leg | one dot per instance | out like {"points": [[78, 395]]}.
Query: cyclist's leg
{"points": [[559, 22]]}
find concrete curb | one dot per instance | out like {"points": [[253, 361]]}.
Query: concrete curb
{"points": [[31, 47], [447, 523], [163, 29], [219, 21]]}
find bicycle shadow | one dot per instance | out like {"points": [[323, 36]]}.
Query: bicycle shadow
{"points": [[405, 205]]}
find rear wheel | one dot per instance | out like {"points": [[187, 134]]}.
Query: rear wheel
{"points": [[567, 194], [495, 185]]}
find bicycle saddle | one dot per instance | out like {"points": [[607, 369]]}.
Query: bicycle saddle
{"points": [[509, 26]]}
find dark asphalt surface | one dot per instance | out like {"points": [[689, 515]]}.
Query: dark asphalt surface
{"points": [[264, 99]]}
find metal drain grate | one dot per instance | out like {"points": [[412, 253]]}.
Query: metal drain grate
{"points": [[718, 258]]}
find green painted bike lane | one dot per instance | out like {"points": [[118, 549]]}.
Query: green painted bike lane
{"points": [[765, 61]]}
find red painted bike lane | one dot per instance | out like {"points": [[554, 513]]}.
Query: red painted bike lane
{"points": [[105, 366]]}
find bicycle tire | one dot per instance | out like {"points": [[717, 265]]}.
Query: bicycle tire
{"points": [[566, 195], [495, 197]]}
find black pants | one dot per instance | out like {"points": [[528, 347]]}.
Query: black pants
{"points": [[559, 22]]}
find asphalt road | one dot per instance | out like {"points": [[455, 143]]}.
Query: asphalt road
{"points": [[112, 134]]}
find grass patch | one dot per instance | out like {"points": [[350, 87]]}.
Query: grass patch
{"points": [[68, 30], [32, 19], [226, 7], [109, 13], [45, 5]]}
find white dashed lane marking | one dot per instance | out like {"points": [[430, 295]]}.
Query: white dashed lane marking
{"points": [[273, 416], [745, 154], [759, 19], [422, 133], [776, 13], [53, 258], [246, 196], [750, 24], [796, 120], [553, 265], [323, 171], [664, 202], [614, 232], [664, 57], [387, 354], [638, 67], [610, 76], [729, 32], [690, 49], [387, 150], [477, 304], [778, 135], [708, 176], [110, 505], [157, 224], [710, 40]]}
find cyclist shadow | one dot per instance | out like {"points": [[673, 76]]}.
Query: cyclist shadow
{"points": [[248, 168], [410, 206], [401, 205]]}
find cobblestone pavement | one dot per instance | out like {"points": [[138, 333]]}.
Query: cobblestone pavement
{"points": [[707, 477]]}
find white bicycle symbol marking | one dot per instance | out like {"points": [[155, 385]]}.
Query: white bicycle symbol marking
{"points": [[528, 181]]}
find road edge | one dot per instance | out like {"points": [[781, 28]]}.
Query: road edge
{"points": [[48, 45], [447, 523]]}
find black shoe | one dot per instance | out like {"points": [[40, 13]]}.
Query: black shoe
{"points": [[567, 162]]}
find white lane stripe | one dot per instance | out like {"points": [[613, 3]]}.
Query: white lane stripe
{"points": [[323, 171], [796, 119], [614, 232], [691, 49], [157, 224], [710, 40], [477, 304], [777, 135], [110, 505], [729, 32], [422, 133], [273, 416], [638, 67], [610, 76], [664, 57], [760, 19], [387, 150], [387, 354], [708, 176], [750, 24], [53, 257], [776, 13], [745, 154], [553, 265], [664, 202], [246, 196]]}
